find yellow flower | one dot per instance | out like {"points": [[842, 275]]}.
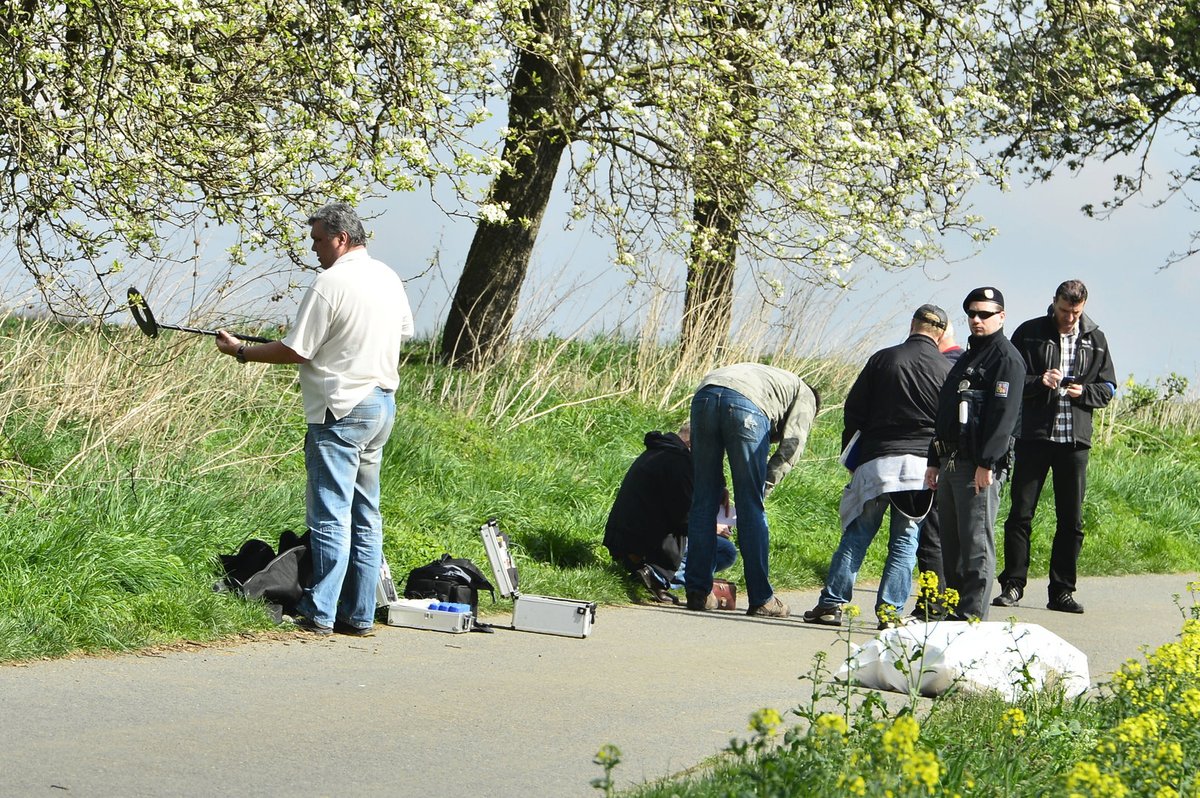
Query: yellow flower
{"points": [[1188, 705], [901, 738], [854, 786], [832, 724], [1140, 729], [1013, 721], [766, 722], [608, 754], [851, 610], [922, 769], [1085, 779]]}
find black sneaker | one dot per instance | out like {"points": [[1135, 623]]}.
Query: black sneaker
{"points": [[306, 624], [1065, 602], [826, 616], [701, 602], [894, 623], [352, 630], [1009, 597], [927, 613]]}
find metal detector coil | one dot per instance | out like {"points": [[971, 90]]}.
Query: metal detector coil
{"points": [[150, 326]]}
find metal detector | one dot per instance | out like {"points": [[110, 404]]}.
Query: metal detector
{"points": [[148, 325]]}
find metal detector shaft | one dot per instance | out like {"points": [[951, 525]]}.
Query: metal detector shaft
{"points": [[150, 326], [254, 339]]}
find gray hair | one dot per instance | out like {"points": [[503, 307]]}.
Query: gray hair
{"points": [[338, 217]]}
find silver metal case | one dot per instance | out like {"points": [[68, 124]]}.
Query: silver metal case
{"points": [[544, 614], [415, 614]]}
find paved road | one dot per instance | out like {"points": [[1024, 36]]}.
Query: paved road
{"points": [[410, 712]]}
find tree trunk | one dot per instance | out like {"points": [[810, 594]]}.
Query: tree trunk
{"points": [[721, 193], [708, 299], [540, 109]]}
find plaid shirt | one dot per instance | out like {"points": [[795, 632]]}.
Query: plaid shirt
{"points": [[1064, 431]]}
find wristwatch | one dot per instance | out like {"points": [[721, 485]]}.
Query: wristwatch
{"points": [[241, 354]]}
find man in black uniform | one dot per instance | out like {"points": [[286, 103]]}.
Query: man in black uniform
{"points": [[978, 409], [1068, 374]]}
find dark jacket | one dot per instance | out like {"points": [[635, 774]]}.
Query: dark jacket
{"points": [[894, 400], [649, 517], [989, 377], [1037, 341]]}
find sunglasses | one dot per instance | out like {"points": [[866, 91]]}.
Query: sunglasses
{"points": [[982, 315]]}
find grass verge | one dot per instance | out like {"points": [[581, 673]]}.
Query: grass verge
{"points": [[127, 465]]}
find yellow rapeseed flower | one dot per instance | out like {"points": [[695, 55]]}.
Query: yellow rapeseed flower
{"points": [[922, 769], [1013, 722], [1188, 706], [766, 722], [1086, 781], [854, 786], [901, 738], [830, 723]]}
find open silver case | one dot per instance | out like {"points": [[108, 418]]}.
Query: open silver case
{"points": [[415, 613], [544, 614]]}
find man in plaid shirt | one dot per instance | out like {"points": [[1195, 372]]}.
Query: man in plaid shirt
{"points": [[1069, 373]]}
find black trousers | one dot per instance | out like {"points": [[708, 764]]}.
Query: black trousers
{"points": [[929, 547], [1034, 460]]}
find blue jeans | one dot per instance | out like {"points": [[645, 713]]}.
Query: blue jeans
{"points": [[342, 459], [896, 584], [725, 556], [726, 423]]}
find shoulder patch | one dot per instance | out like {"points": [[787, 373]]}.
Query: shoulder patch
{"points": [[1002, 389]]}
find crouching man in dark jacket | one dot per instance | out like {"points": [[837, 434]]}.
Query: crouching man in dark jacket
{"points": [[648, 525], [1069, 374]]}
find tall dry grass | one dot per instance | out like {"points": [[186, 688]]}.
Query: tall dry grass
{"points": [[111, 389]]}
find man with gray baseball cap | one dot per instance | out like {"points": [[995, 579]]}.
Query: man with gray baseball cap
{"points": [[891, 407]]}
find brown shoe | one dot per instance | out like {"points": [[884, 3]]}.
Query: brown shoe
{"points": [[772, 609], [701, 602]]}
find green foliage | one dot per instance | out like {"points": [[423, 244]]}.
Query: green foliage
{"points": [[1141, 395], [125, 121]]}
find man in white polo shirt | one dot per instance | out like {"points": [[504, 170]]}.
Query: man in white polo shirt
{"points": [[346, 339]]}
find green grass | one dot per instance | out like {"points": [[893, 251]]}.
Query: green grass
{"points": [[126, 466]]}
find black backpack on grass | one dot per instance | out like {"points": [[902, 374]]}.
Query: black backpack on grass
{"points": [[448, 579], [257, 572]]}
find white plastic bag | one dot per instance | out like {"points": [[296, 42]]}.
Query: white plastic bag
{"points": [[1007, 657]]}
